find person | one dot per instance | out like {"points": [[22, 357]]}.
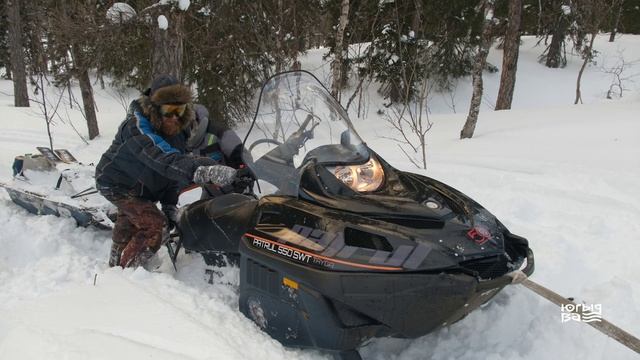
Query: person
{"points": [[147, 163]]}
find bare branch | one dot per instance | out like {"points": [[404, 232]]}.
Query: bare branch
{"points": [[409, 157]]}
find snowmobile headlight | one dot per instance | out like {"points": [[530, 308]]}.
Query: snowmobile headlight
{"points": [[362, 178]]}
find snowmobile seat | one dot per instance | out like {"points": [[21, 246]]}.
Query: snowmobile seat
{"points": [[217, 224]]}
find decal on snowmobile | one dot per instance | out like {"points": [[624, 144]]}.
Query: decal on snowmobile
{"points": [[479, 235], [307, 257], [332, 244]]}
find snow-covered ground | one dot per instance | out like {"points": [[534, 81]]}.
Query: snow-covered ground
{"points": [[564, 176]]}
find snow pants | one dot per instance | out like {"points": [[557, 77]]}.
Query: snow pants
{"points": [[137, 234]]}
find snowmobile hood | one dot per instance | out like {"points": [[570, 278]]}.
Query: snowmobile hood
{"points": [[419, 207]]}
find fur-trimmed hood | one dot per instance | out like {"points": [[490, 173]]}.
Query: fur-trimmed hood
{"points": [[151, 109]]}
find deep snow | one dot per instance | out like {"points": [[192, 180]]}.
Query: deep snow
{"points": [[563, 176]]}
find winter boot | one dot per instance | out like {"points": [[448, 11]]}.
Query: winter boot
{"points": [[141, 259], [115, 254]]}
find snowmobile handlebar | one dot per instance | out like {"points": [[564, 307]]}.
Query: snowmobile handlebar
{"points": [[300, 136], [283, 155]]}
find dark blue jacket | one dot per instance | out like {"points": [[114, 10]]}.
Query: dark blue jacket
{"points": [[142, 163]]}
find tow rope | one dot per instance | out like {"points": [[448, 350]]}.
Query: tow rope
{"points": [[603, 325]]}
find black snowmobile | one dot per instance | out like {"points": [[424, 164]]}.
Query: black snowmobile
{"points": [[336, 246]]}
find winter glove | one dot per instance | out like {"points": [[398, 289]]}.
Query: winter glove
{"points": [[244, 178], [216, 174], [171, 212]]}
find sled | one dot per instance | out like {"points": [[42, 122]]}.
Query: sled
{"points": [[55, 183], [40, 205]]}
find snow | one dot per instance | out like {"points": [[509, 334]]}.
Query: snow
{"points": [[205, 11], [564, 176], [120, 13], [182, 4], [163, 23], [489, 15]]}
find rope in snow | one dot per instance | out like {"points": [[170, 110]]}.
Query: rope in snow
{"points": [[603, 325]]}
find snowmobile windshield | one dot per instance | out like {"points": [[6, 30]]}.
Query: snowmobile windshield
{"points": [[297, 124]]}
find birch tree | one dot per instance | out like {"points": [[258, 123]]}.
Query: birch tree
{"points": [[487, 6], [337, 64]]}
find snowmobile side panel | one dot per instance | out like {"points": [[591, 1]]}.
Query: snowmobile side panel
{"points": [[216, 225]]}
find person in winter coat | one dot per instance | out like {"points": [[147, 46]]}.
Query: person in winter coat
{"points": [[147, 163]]}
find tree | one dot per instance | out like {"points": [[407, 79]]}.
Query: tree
{"points": [[4, 48], [487, 7], [78, 38], [412, 40], [619, 4], [337, 64], [554, 55], [393, 60], [236, 46], [168, 39], [411, 122], [123, 46], [511, 48], [19, 74], [589, 17]]}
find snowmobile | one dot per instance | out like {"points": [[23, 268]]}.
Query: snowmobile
{"points": [[335, 245]]}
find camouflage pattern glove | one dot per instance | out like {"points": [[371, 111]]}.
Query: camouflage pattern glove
{"points": [[217, 174]]}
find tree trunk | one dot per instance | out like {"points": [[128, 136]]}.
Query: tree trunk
{"points": [[336, 65], [168, 46], [614, 30], [88, 103], [280, 56], [480, 62], [81, 72], [511, 48], [539, 27], [19, 74], [587, 58], [554, 54]]}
